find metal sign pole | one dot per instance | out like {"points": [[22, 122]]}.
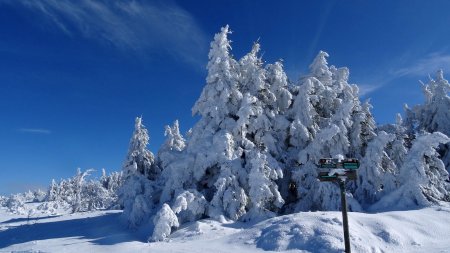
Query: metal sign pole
{"points": [[344, 216], [339, 170]]}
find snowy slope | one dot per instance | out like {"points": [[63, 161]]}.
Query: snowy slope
{"points": [[425, 230]]}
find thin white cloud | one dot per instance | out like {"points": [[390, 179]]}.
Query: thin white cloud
{"points": [[323, 20], [126, 24], [421, 68], [35, 130], [367, 85], [365, 89], [426, 66]]}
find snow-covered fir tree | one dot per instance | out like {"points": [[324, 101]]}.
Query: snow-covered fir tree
{"points": [[221, 96], [77, 182], [53, 192], [139, 159], [397, 150], [111, 182], [423, 180], [377, 173], [210, 150], [173, 145], [137, 194], [434, 114]]}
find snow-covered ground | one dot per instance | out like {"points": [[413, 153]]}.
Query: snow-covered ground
{"points": [[424, 230]]}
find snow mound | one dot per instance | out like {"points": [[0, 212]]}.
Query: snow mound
{"points": [[293, 232], [423, 230]]}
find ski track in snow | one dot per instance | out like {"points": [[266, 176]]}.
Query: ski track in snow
{"points": [[424, 230]]}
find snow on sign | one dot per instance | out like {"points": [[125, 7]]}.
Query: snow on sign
{"points": [[331, 169]]}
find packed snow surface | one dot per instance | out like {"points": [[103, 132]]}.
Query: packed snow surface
{"points": [[423, 230]]}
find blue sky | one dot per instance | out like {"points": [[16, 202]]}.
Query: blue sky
{"points": [[75, 74]]}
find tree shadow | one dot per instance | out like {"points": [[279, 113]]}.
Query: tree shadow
{"points": [[101, 230], [28, 219]]}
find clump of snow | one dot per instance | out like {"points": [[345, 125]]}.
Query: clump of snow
{"points": [[164, 221], [190, 206]]}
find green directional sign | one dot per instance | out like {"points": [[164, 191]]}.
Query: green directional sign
{"points": [[351, 163], [323, 176], [328, 165], [349, 166]]}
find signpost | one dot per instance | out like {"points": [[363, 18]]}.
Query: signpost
{"points": [[336, 170]]}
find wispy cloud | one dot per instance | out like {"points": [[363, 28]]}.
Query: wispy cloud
{"points": [[126, 24], [34, 130], [421, 68], [365, 89], [428, 65], [376, 81], [323, 20]]}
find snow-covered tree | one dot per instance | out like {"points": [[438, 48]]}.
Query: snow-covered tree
{"points": [[111, 182], [398, 148], [221, 96], [320, 70], [52, 194], [304, 125], [252, 76], [139, 159], [279, 86], [232, 132], [210, 143], [77, 199], [376, 177], [423, 179], [172, 146], [230, 199], [434, 114], [138, 192], [263, 193]]}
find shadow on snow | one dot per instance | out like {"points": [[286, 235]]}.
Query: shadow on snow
{"points": [[100, 230], [31, 219]]}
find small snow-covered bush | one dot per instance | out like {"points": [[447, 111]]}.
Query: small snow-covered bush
{"points": [[82, 194], [16, 204], [52, 207]]}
